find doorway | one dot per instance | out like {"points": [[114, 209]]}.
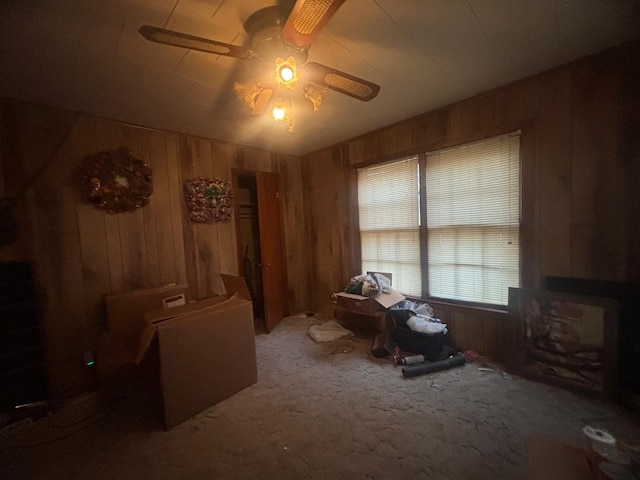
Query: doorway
{"points": [[261, 245], [248, 228]]}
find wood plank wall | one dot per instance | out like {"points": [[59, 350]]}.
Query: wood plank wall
{"points": [[580, 201], [81, 253], [580, 159]]}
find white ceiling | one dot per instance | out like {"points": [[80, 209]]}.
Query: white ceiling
{"points": [[87, 56]]}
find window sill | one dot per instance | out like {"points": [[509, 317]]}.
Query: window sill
{"points": [[434, 302]]}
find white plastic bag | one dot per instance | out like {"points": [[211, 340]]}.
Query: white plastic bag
{"points": [[419, 324]]}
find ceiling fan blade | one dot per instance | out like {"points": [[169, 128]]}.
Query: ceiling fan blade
{"points": [[178, 39], [340, 81], [306, 20]]}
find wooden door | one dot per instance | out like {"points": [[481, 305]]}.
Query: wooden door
{"points": [[274, 271]]}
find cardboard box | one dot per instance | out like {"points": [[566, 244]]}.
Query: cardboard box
{"points": [[551, 460], [361, 304], [125, 311], [205, 351]]}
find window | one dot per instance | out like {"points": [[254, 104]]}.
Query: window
{"points": [[472, 221], [388, 200]]}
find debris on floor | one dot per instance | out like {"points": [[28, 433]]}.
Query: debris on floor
{"points": [[328, 331]]}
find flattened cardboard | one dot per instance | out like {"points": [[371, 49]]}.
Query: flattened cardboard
{"points": [[206, 351], [125, 310], [550, 460], [234, 284]]}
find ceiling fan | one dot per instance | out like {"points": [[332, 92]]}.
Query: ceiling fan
{"points": [[279, 41]]}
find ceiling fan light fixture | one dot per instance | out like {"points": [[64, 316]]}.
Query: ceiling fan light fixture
{"points": [[286, 73], [280, 112], [276, 33], [283, 112]]}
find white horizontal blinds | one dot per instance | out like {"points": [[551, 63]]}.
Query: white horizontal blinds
{"points": [[473, 220], [388, 201]]}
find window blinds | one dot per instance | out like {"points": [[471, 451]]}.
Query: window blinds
{"points": [[389, 208], [473, 220]]}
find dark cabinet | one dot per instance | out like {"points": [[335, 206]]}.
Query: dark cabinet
{"points": [[22, 372]]}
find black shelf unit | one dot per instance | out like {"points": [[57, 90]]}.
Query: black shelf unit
{"points": [[22, 372]]}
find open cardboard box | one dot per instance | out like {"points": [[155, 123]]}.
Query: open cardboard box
{"points": [[362, 304], [124, 312], [551, 460], [202, 352]]}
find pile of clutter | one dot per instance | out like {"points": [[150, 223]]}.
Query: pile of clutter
{"points": [[369, 285], [414, 337]]}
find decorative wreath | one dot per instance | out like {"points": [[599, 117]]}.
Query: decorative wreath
{"points": [[117, 181], [208, 200]]}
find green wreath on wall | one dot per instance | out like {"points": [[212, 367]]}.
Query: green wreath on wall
{"points": [[116, 181], [208, 200]]}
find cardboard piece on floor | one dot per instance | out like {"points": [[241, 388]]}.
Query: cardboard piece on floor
{"points": [[206, 352], [551, 460]]}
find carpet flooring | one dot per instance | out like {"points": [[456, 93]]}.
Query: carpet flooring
{"points": [[318, 411]]}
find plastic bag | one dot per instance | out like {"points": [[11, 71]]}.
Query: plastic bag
{"points": [[420, 324]]}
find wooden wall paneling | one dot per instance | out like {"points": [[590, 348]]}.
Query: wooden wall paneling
{"points": [[325, 216], [594, 223], [248, 158], [191, 253], [177, 209], [529, 209], [309, 233], [430, 129], [13, 175], [511, 104], [92, 235], [609, 254], [205, 235], [105, 141], [49, 126], [553, 194], [371, 145], [474, 331], [132, 232], [30, 136], [459, 322], [454, 126], [357, 152], [495, 336], [531, 92], [351, 230], [346, 235], [162, 227], [296, 231], [629, 153], [222, 162], [470, 119], [150, 212], [489, 112], [396, 138], [58, 249]]}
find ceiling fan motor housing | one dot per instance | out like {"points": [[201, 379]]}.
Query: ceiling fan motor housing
{"points": [[264, 28]]}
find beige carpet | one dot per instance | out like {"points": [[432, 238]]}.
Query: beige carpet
{"points": [[318, 411]]}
